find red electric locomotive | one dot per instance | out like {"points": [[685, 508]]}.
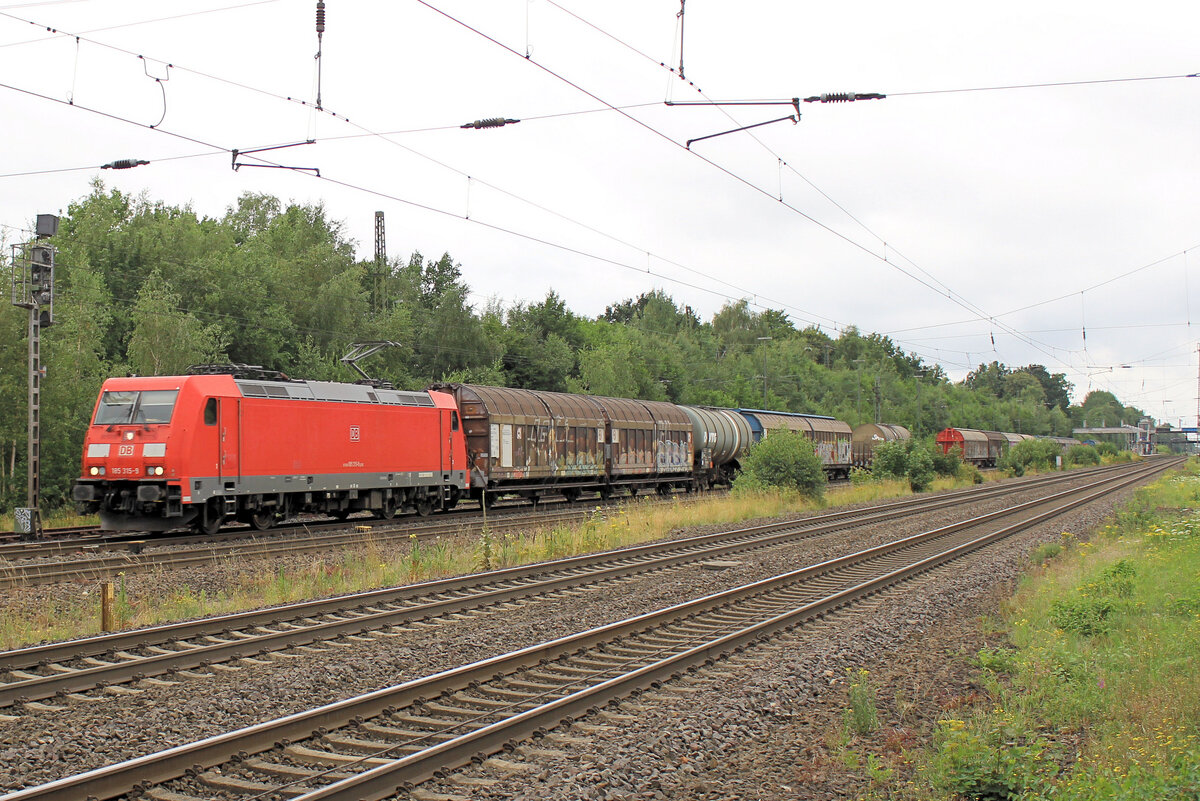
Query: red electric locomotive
{"points": [[195, 450]]}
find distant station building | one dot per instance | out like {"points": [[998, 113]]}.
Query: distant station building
{"points": [[1132, 438], [1145, 437]]}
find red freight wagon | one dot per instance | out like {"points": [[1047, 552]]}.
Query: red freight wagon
{"points": [[166, 452], [981, 448]]}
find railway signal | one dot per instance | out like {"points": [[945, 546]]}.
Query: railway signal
{"points": [[33, 289]]}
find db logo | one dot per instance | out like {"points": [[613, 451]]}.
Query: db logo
{"points": [[354, 436], [125, 450]]}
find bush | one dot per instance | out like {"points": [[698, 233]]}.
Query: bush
{"points": [[782, 460], [908, 459], [1082, 455], [1106, 449], [969, 472], [947, 464], [1036, 453], [920, 469], [891, 459], [860, 476]]}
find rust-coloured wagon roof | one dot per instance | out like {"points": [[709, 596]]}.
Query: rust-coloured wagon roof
{"points": [[773, 422], [962, 435]]}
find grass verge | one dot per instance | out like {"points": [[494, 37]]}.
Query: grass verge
{"points": [[147, 599], [1096, 695]]}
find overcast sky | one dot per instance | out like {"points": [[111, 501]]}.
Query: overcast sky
{"points": [[947, 220]]}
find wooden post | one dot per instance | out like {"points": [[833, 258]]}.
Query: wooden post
{"points": [[108, 610]]}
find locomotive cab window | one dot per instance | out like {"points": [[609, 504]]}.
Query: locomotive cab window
{"points": [[453, 421], [146, 406], [210, 412]]}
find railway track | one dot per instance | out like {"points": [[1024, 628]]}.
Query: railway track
{"points": [[91, 538], [27, 563], [133, 556], [370, 746], [43, 673]]}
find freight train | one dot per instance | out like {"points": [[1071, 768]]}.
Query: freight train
{"points": [[238, 443], [984, 448], [231, 442]]}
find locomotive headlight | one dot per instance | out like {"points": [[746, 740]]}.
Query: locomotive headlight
{"points": [[93, 471], [128, 435], [154, 471]]}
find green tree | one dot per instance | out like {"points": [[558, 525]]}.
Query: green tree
{"points": [[166, 340]]}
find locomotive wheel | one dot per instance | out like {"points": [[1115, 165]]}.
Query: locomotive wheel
{"points": [[209, 521], [425, 507], [387, 511], [262, 519]]}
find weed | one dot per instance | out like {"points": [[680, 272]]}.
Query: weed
{"points": [[1086, 616], [487, 556], [1045, 552], [861, 716], [999, 660], [982, 763]]}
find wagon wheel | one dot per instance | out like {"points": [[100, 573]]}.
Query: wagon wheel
{"points": [[425, 507], [340, 514], [262, 519], [571, 495]]}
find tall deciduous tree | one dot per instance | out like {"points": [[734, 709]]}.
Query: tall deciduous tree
{"points": [[166, 339]]}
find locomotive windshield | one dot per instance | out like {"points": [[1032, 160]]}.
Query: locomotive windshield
{"points": [[145, 406]]}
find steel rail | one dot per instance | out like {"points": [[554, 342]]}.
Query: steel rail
{"points": [[136, 543], [106, 566], [384, 780], [385, 773], [254, 633]]}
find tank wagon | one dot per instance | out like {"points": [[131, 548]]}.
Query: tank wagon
{"points": [[196, 450], [830, 437], [535, 443], [865, 438], [721, 437]]}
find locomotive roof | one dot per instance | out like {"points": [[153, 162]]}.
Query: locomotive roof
{"points": [[332, 391]]}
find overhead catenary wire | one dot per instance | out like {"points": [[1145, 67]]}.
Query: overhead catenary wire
{"points": [[961, 300], [779, 193], [983, 315], [802, 314]]}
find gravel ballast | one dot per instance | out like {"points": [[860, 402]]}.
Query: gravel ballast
{"points": [[788, 685]]}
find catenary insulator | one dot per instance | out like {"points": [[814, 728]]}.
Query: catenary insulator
{"points": [[844, 97], [123, 164], [494, 122], [320, 16]]}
